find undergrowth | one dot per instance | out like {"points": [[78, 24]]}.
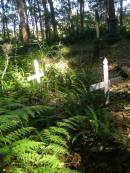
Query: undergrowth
{"points": [[43, 125], [26, 146]]}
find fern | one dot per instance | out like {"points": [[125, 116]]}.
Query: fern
{"points": [[16, 170], [50, 170], [61, 131], [57, 149], [16, 135], [48, 136], [26, 145], [50, 160], [46, 152], [13, 106], [9, 126], [72, 123]]}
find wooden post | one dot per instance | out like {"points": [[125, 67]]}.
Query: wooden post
{"points": [[106, 80]]}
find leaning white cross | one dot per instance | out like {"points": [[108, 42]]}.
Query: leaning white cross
{"points": [[38, 73], [107, 82]]}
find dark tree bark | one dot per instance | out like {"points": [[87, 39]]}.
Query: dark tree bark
{"points": [[81, 3], [46, 18], [69, 16], [3, 20], [40, 19], [31, 10], [24, 27], [112, 21], [121, 13], [97, 24], [53, 20]]}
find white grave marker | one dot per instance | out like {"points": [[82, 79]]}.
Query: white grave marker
{"points": [[106, 83], [106, 79], [38, 74]]}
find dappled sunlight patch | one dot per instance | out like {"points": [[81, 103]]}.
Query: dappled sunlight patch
{"points": [[66, 50], [7, 47], [62, 66], [20, 79]]}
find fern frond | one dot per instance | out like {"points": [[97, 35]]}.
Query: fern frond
{"points": [[50, 160], [7, 118], [29, 159], [9, 126], [6, 154], [50, 137], [73, 123], [56, 149], [16, 170], [2, 111], [16, 135], [13, 106], [67, 125], [50, 170], [60, 131], [26, 145]]}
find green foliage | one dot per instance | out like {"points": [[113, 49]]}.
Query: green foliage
{"points": [[21, 145], [41, 124]]}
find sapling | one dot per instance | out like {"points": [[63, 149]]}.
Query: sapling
{"points": [[7, 47]]}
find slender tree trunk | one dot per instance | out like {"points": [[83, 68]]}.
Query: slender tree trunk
{"points": [[98, 41], [112, 21], [14, 27], [46, 18], [40, 20], [121, 13], [97, 24], [7, 30], [3, 20], [23, 22], [77, 22], [53, 20], [36, 26], [30, 2], [81, 2], [26, 12], [69, 16], [36, 21]]}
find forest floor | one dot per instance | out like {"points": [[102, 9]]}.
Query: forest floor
{"points": [[111, 157], [116, 160], [118, 54]]}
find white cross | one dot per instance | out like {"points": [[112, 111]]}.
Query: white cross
{"points": [[38, 74], [107, 82]]}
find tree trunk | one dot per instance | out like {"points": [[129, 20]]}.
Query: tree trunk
{"points": [[69, 16], [121, 13], [40, 20], [53, 20], [46, 18], [97, 24], [36, 33], [14, 28], [112, 21], [3, 20], [32, 16], [23, 22], [7, 31], [81, 2]]}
